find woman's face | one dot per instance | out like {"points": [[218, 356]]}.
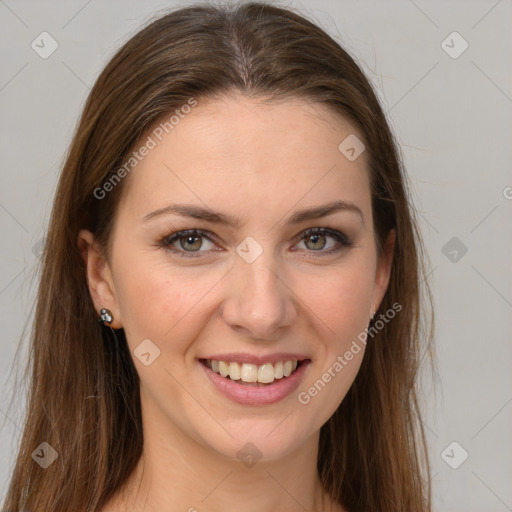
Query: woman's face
{"points": [[252, 286]]}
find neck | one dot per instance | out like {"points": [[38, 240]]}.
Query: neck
{"points": [[177, 473]]}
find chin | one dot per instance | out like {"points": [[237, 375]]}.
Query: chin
{"points": [[266, 439]]}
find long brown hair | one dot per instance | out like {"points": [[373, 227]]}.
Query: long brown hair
{"points": [[84, 389]]}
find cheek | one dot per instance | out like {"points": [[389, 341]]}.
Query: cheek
{"points": [[158, 301], [341, 303], [340, 299]]}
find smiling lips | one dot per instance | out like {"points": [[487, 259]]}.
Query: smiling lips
{"points": [[249, 373], [252, 380]]}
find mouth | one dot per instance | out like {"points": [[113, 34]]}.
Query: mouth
{"points": [[255, 375]]}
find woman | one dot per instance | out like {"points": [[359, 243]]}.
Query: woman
{"points": [[234, 212]]}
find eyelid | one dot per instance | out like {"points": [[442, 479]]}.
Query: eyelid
{"points": [[168, 240], [342, 240], [333, 233]]}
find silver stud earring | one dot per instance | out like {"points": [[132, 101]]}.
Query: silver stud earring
{"points": [[105, 316]]}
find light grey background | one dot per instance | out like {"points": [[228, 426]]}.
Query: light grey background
{"points": [[453, 118]]}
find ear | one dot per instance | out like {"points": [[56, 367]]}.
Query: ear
{"points": [[99, 277], [383, 270]]}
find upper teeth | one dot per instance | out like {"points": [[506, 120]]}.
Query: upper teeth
{"points": [[264, 373]]}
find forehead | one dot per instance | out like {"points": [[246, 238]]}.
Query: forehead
{"points": [[237, 151]]}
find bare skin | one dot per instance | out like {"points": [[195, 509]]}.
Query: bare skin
{"points": [[258, 163]]}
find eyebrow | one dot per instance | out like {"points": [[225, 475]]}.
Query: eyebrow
{"points": [[206, 214]]}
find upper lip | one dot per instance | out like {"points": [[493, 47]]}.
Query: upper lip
{"points": [[243, 357]]}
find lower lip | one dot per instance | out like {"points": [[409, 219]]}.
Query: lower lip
{"points": [[257, 395]]}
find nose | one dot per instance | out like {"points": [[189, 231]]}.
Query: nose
{"points": [[260, 303]]}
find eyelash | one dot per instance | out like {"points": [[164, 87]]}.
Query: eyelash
{"points": [[341, 238]]}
